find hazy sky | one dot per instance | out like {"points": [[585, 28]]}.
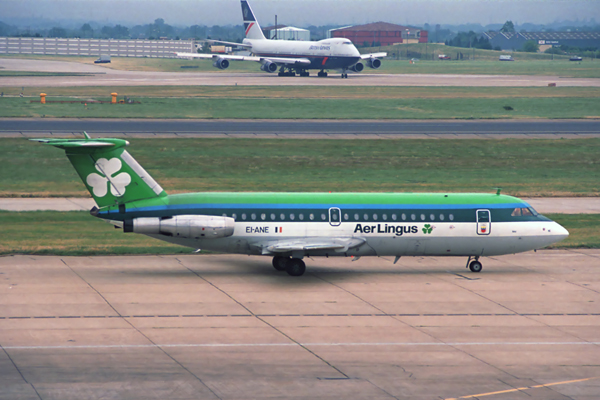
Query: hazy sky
{"points": [[304, 12]]}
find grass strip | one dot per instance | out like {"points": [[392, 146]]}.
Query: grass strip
{"points": [[264, 108], [76, 233], [522, 167], [309, 92]]}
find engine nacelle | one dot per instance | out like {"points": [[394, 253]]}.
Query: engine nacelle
{"points": [[221, 63], [183, 226], [374, 63], [269, 66], [358, 67]]}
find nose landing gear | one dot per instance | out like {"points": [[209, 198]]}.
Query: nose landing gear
{"points": [[473, 264]]}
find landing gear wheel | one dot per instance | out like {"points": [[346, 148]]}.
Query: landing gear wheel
{"points": [[295, 267], [475, 266], [344, 76], [280, 263]]}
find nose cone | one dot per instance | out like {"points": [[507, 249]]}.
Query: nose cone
{"points": [[558, 232]]}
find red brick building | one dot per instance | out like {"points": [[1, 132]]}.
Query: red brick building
{"points": [[381, 33]]}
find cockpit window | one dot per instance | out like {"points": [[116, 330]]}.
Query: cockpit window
{"points": [[524, 212]]}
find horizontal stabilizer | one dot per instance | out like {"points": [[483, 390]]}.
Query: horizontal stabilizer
{"points": [[80, 143]]}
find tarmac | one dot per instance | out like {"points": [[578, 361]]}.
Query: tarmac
{"points": [[543, 205], [231, 327], [95, 75]]}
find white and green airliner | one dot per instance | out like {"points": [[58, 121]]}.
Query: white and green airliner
{"points": [[291, 226]]}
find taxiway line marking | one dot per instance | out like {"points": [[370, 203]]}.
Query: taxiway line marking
{"points": [[521, 389]]}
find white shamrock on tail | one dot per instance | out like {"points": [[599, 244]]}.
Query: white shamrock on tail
{"points": [[100, 183]]}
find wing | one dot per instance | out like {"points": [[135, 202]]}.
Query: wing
{"points": [[221, 56], [372, 55], [339, 245], [262, 60]]}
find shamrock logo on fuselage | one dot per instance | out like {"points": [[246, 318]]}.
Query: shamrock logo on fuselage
{"points": [[107, 169], [427, 228]]}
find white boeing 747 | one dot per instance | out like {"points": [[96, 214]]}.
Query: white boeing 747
{"points": [[293, 57]]}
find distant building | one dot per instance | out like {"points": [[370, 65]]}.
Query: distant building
{"points": [[381, 33], [283, 32], [514, 41]]}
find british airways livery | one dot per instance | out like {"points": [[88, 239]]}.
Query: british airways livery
{"points": [[293, 57], [292, 226]]}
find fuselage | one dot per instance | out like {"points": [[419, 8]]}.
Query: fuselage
{"points": [[332, 53], [383, 224]]}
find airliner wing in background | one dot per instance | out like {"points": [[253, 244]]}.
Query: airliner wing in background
{"points": [[373, 55]]}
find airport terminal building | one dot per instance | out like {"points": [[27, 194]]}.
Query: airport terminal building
{"points": [[381, 34]]}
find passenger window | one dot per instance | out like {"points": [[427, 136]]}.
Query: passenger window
{"points": [[366, 217], [394, 217], [292, 217], [253, 216], [282, 216], [346, 217], [422, 217], [301, 217], [234, 216], [356, 217], [403, 217], [273, 216], [441, 217], [244, 216], [263, 216], [374, 217], [312, 217], [451, 217], [432, 217], [384, 217], [413, 217], [323, 217]]}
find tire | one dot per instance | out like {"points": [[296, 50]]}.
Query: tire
{"points": [[280, 263], [475, 266], [295, 267]]}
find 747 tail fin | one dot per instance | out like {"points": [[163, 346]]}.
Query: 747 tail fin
{"points": [[251, 26], [109, 172]]}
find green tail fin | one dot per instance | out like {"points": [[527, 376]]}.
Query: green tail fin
{"points": [[109, 172]]}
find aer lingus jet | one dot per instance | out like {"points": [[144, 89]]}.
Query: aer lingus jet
{"points": [[293, 57], [291, 226]]}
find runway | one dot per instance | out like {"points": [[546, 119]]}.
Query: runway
{"points": [[319, 129], [103, 76], [231, 327]]}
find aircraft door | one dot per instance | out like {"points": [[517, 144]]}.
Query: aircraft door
{"points": [[484, 222], [335, 216]]}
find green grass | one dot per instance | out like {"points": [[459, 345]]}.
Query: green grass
{"points": [[76, 233], [269, 108], [522, 167]]}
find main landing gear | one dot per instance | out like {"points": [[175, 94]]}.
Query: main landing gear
{"points": [[322, 74], [473, 264], [293, 266]]}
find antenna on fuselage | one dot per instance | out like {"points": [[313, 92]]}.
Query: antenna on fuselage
{"points": [[498, 191]]}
